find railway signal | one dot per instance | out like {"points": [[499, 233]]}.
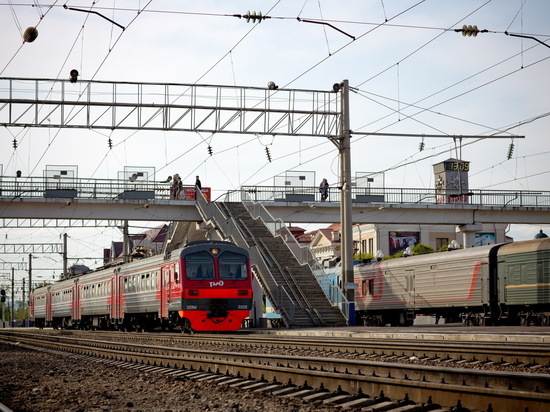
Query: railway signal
{"points": [[3, 295]]}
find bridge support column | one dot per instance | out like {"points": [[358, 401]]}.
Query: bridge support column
{"points": [[466, 234]]}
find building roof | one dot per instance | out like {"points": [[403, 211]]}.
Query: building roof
{"points": [[541, 235]]}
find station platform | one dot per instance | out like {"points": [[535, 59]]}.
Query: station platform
{"points": [[447, 332]]}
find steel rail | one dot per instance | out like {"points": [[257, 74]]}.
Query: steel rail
{"points": [[528, 355], [470, 388]]}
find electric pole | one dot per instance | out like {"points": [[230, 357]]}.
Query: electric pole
{"points": [[346, 217]]}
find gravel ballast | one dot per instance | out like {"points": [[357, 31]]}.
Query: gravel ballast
{"points": [[39, 381]]}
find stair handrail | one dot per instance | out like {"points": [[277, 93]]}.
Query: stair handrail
{"points": [[303, 254], [310, 309], [286, 310], [211, 211], [288, 278]]}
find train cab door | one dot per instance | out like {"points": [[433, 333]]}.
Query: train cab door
{"points": [[49, 306], [165, 290], [75, 303], [120, 295], [114, 298], [410, 295]]}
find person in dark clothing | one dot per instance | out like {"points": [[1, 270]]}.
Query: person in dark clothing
{"points": [[177, 185], [323, 189], [198, 186]]}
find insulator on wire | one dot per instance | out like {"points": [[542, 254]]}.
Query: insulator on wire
{"points": [[110, 143], [210, 150], [30, 34], [15, 143], [510, 151], [253, 16], [421, 146], [268, 154], [469, 30]]}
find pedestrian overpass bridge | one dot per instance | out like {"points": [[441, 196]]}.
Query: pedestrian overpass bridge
{"points": [[252, 217], [46, 200]]}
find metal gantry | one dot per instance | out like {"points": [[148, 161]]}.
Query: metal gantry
{"points": [[189, 107], [57, 223], [15, 248], [13, 265], [158, 106]]}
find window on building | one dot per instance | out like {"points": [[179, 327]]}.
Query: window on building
{"points": [[440, 242]]}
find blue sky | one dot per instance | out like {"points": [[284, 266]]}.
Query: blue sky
{"points": [[413, 74]]}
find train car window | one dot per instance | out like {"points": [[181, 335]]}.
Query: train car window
{"points": [[364, 288], [232, 266], [371, 287], [524, 275], [199, 266]]}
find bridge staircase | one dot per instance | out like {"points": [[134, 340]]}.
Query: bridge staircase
{"points": [[177, 236], [291, 287]]}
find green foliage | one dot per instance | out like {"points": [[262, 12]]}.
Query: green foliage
{"points": [[418, 249], [359, 257], [421, 249]]}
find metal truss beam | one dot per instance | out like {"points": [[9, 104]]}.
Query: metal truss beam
{"points": [[37, 248], [58, 223], [179, 107], [15, 265]]}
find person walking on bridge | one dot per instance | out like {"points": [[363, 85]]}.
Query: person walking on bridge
{"points": [[323, 189], [198, 186]]}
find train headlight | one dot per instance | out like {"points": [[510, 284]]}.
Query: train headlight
{"points": [[215, 251], [193, 292], [242, 292]]}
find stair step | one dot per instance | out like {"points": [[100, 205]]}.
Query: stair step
{"points": [[299, 281]]}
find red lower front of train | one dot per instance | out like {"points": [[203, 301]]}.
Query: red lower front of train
{"points": [[220, 309]]}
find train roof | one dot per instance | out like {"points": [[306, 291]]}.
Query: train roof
{"points": [[192, 247], [480, 252], [209, 242], [525, 246]]}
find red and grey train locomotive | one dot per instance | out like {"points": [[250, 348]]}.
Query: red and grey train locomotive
{"points": [[488, 285], [206, 286]]}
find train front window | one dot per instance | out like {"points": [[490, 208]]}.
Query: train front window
{"points": [[199, 266], [232, 266]]}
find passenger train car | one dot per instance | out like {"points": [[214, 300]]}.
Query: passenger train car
{"points": [[488, 285], [206, 286]]}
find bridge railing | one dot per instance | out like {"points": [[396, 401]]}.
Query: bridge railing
{"points": [[87, 188], [501, 198], [69, 187]]}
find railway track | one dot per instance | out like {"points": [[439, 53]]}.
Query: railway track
{"points": [[317, 376], [521, 356]]}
